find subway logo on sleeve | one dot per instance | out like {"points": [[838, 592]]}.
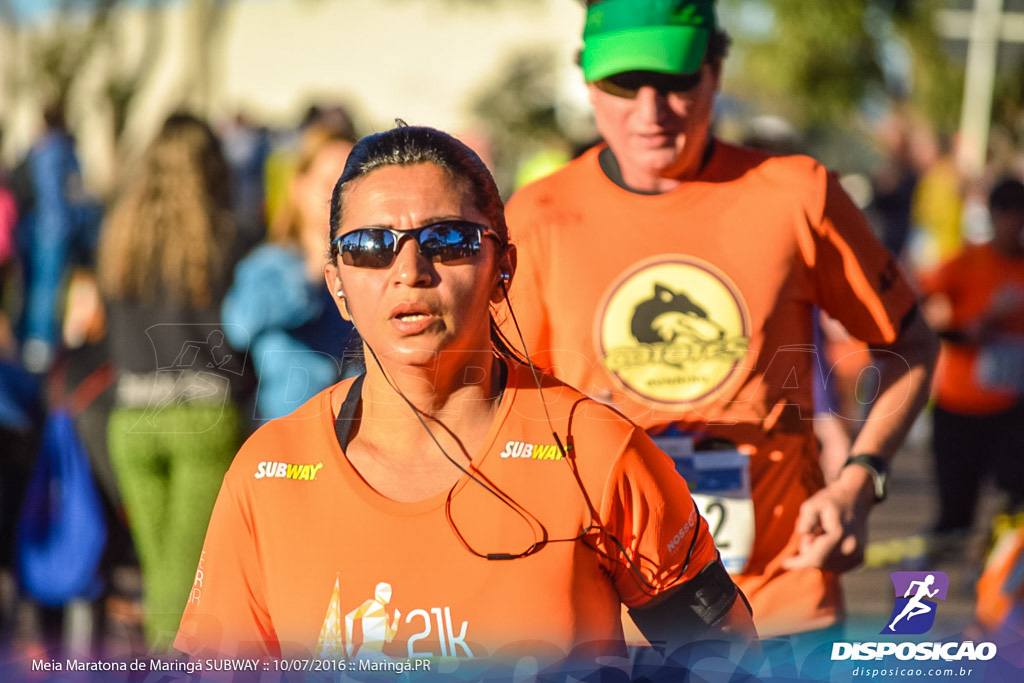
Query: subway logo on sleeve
{"points": [[286, 470], [531, 451]]}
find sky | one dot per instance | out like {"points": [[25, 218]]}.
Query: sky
{"points": [[35, 10]]}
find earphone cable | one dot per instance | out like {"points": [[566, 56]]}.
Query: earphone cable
{"points": [[504, 498], [537, 527], [533, 371], [569, 455]]}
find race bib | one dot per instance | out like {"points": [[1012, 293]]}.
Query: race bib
{"points": [[1000, 367], [720, 485]]}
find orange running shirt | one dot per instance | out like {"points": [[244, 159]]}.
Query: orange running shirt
{"points": [[693, 308], [972, 281], [303, 558]]}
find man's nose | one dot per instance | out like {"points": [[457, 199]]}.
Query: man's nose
{"points": [[650, 103]]}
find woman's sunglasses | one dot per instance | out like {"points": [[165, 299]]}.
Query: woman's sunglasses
{"points": [[628, 84], [438, 242]]}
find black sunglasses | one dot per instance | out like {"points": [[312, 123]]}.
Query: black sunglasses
{"points": [[628, 84], [440, 242]]}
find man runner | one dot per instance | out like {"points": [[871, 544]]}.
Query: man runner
{"points": [[673, 276]]}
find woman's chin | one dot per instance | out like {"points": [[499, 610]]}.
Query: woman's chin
{"points": [[430, 353], [412, 353]]}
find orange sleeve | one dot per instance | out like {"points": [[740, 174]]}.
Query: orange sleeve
{"points": [[527, 291], [226, 614], [856, 279], [940, 279], [662, 541]]}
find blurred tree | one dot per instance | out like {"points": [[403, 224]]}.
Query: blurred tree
{"points": [[937, 80], [816, 63], [518, 110], [1008, 102], [58, 54], [456, 4], [54, 55], [125, 78]]}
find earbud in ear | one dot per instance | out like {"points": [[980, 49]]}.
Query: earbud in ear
{"points": [[340, 294], [506, 278]]}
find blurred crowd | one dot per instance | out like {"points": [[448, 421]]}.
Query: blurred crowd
{"points": [[212, 246], [143, 336]]}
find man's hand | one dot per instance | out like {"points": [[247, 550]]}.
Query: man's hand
{"points": [[832, 527]]}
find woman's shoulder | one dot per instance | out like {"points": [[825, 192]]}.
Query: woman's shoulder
{"points": [[602, 442], [309, 431], [567, 406]]}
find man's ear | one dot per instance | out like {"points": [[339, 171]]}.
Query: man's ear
{"points": [[716, 72], [333, 279]]}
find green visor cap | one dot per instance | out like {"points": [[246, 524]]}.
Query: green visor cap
{"points": [[667, 36]]}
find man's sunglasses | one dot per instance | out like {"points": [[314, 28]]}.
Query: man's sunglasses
{"points": [[438, 242], [628, 84]]}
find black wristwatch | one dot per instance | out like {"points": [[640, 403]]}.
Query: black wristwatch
{"points": [[879, 469]]}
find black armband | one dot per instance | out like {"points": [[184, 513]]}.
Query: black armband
{"points": [[692, 608]]}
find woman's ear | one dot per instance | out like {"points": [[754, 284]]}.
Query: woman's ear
{"points": [[333, 279], [506, 271]]}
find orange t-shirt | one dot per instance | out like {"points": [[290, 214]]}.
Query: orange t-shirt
{"points": [[303, 558], [972, 281], [694, 308]]}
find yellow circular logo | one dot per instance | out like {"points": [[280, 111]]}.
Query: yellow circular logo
{"points": [[672, 330]]}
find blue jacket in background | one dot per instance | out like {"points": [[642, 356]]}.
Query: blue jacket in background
{"points": [[292, 329]]}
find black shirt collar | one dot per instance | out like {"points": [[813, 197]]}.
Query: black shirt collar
{"points": [[610, 166]]}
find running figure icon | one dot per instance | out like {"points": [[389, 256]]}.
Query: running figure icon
{"points": [[371, 616], [916, 606]]}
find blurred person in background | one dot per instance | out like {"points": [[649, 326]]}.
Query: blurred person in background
{"points": [[999, 610], [8, 223], [55, 215], [286, 147], [893, 184], [78, 395], [174, 427], [674, 276], [976, 301], [277, 304], [21, 419], [938, 203], [24, 396], [246, 147], [83, 379], [419, 465]]}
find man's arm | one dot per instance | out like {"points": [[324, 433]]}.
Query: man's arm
{"points": [[833, 522]]}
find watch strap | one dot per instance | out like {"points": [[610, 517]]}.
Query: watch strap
{"points": [[878, 467]]}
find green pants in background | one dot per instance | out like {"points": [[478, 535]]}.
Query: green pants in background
{"points": [[169, 467]]}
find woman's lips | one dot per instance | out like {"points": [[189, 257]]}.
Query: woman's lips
{"points": [[412, 318]]}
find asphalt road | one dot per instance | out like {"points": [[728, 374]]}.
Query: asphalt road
{"points": [[897, 542]]}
